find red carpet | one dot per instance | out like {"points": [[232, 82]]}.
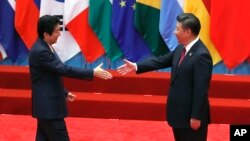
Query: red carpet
{"points": [[139, 101], [22, 128]]}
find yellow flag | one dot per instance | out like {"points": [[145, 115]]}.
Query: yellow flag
{"points": [[198, 8]]}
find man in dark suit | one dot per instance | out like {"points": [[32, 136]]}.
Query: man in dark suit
{"points": [[48, 93], [191, 62]]}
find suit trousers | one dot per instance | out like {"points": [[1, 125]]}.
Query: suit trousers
{"points": [[51, 130], [188, 134]]}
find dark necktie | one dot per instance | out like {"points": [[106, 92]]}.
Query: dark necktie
{"points": [[182, 55]]}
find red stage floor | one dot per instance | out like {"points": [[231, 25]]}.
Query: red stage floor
{"points": [[22, 128]]}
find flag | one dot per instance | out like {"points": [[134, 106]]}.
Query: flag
{"points": [[170, 9], [27, 14], [66, 47], [11, 42], [198, 8], [147, 16], [132, 45], [229, 30], [76, 20], [100, 21]]}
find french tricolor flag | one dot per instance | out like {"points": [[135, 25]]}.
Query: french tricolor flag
{"points": [[76, 20]]}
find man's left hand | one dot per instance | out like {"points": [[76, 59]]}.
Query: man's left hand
{"points": [[195, 124], [71, 97]]}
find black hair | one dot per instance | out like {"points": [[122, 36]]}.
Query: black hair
{"points": [[46, 23], [189, 21]]}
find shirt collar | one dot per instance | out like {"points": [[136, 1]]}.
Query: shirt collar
{"points": [[188, 47], [51, 48]]}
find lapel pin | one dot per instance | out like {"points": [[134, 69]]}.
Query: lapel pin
{"points": [[190, 54]]}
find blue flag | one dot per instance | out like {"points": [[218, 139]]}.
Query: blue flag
{"points": [[170, 9], [9, 38], [131, 43]]}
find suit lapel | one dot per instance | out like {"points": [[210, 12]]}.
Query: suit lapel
{"points": [[187, 57], [176, 61], [56, 55], [54, 52]]}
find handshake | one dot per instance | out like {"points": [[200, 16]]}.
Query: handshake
{"points": [[124, 69], [103, 74]]}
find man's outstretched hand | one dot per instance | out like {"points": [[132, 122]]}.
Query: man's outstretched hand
{"points": [[127, 67], [101, 73]]}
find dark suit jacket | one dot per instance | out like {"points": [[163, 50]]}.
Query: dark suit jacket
{"points": [[188, 93], [48, 92]]}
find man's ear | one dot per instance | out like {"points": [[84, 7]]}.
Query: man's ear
{"points": [[189, 32], [45, 35]]}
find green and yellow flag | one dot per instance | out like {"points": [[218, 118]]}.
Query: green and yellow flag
{"points": [[100, 21], [146, 20]]}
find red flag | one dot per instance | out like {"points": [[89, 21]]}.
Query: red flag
{"points": [[27, 14], [230, 30]]}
